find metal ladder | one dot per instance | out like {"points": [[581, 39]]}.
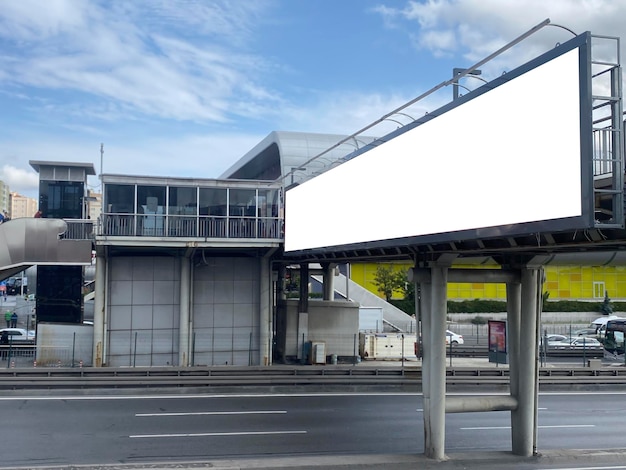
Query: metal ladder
{"points": [[608, 134]]}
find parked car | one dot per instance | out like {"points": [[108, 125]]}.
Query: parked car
{"points": [[453, 338], [581, 342], [553, 340], [19, 335], [555, 337], [559, 344], [586, 332]]}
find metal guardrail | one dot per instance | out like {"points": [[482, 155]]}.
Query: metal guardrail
{"points": [[481, 351], [211, 378]]}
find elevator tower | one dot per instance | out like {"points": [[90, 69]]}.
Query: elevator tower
{"points": [[62, 195]]}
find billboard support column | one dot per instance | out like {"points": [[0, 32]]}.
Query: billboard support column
{"points": [[513, 317], [303, 309], [426, 317], [436, 425], [523, 435]]}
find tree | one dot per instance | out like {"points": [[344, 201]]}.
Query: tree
{"points": [[408, 288], [606, 308], [387, 281]]}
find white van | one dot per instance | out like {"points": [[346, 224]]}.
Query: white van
{"points": [[600, 324]]}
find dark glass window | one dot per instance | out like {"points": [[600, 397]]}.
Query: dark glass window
{"points": [[61, 199], [59, 296], [182, 201], [242, 202], [213, 201], [268, 203], [151, 199], [119, 198]]}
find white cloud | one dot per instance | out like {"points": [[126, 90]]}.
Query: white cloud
{"points": [[20, 180], [128, 53], [474, 29], [347, 113]]}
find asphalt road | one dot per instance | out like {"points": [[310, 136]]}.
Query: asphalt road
{"points": [[75, 430]]}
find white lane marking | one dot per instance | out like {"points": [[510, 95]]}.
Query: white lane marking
{"points": [[567, 426], [203, 413], [539, 427], [593, 468], [211, 434]]}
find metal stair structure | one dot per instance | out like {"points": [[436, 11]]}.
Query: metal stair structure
{"points": [[27, 241], [393, 318]]}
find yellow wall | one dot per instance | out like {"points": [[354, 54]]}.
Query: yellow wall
{"points": [[562, 282]]}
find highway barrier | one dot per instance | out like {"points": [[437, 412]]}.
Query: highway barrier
{"points": [[215, 379]]}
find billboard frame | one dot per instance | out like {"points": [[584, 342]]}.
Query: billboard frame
{"points": [[583, 221]]}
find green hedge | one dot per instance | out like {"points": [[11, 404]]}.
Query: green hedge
{"points": [[495, 306]]}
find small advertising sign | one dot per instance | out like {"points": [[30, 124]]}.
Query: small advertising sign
{"points": [[497, 342]]}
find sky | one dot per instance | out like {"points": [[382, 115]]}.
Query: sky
{"points": [[187, 87]]}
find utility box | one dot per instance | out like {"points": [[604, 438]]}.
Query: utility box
{"points": [[387, 346], [318, 349], [594, 363]]}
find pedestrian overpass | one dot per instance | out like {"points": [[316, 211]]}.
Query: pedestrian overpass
{"points": [[26, 242]]}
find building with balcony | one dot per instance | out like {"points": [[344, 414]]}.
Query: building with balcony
{"points": [[187, 269]]}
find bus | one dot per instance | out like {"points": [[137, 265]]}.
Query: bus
{"points": [[614, 339]]}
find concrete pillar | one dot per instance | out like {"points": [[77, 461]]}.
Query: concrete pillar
{"points": [[436, 425], [99, 316], [265, 320], [280, 319], [185, 305], [329, 281], [513, 318], [303, 303], [523, 435], [280, 283], [426, 317], [303, 309]]}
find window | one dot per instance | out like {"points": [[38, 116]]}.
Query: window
{"points": [[213, 201], [151, 202], [598, 290], [182, 201], [61, 199], [119, 199], [151, 198], [242, 202], [268, 203]]}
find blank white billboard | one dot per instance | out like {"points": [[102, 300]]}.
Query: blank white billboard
{"points": [[507, 157]]}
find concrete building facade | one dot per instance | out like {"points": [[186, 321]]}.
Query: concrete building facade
{"points": [[22, 206]]}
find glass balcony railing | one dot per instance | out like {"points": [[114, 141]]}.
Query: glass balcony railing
{"points": [[140, 225]]}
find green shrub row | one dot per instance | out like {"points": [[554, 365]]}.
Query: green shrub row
{"points": [[495, 306]]}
